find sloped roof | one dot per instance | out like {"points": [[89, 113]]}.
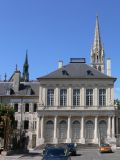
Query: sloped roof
{"points": [[76, 70], [25, 89]]}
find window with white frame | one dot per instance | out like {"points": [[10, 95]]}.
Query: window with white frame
{"points": [[102, 97], [89, 97], [63, 97], [50, 97], [76, 97]]}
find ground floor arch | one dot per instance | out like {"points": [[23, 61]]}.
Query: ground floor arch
{"points": [[49, 131], [89, 131], [62, 130], [102, 132], [76, 129]]}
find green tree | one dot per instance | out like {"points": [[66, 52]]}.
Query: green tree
{"points": [[117, 103], [6, 124]]}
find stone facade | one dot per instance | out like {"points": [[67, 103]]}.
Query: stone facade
{"points": [[87, 118]]}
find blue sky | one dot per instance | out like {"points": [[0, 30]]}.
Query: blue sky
{"points": [[55, 30]]}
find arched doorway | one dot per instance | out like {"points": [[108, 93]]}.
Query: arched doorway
{"points": [[49, 129], [62, 131], [89, 131], [75, 131], [102, 130]]}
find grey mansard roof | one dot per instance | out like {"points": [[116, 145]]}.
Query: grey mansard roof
{"points": [[25, 89], [76, 70]]}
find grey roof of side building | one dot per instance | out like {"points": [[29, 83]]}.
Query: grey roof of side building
{"points": [[25, 89], [76, 70]]}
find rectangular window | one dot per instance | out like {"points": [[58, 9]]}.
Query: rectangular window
{"points": [[27, 107], [102, 97], [50, 97], [16, 107], [89, 97], [63, 97], [26, 124], [34, 107], [34, 125], [76, 97]]}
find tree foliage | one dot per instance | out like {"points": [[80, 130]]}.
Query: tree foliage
{"points": [[6, 123], [117, 103]]}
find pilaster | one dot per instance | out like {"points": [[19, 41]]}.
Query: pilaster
{"points": [[68, 130], [55, 140], [109, 127], [82, 131], [96, 130]]}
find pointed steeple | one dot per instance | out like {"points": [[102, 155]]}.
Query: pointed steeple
{"points": [[26, 69], [97, 51], [26, 58], [97, 39]]}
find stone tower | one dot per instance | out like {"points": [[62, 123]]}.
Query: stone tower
{"points": [[97, 51], [26, 69]]}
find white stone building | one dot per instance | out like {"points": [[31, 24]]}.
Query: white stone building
{"points": [[75, 103]]}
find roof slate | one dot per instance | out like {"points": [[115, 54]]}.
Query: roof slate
{"points": [[26, 89], [76, 70]]}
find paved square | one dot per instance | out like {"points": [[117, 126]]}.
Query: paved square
{"points": [[83, 154]]}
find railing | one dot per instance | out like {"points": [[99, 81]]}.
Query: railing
{"points": [[76, 108]]}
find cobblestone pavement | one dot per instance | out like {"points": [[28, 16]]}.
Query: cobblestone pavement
{"points": [[83, 154]]}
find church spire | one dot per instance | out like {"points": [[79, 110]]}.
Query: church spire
{"points": [[97, 39], [26, 69], [97, 51]]}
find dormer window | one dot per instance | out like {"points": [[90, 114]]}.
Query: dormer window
{"points": [[8, 92], [29, 91], [65, 73], [89, 72]]}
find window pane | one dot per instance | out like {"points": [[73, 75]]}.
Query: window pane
{"points": [[50, 97], [89, 97], [76, 97], [63, 97], [16, 107], [75, 130], [35, 107], [62, 130], [89, 130], [26, 124], [102, 97], [26, 107]]}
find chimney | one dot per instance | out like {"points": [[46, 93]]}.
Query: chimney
{"points": [[60, 64], [109, 67]]}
